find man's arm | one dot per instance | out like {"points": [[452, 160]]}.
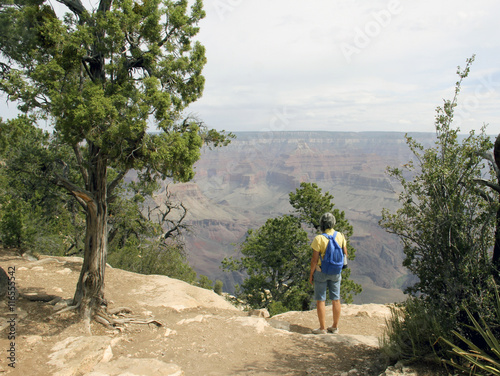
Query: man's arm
{"points": [[314, 262], [344, 247]]}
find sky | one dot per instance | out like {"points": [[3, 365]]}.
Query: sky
{"points": [[346, 65]]}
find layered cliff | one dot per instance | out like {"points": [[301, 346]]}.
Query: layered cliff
{"points": [[238, 187]]}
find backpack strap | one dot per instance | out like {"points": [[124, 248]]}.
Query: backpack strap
{"points": [[328, 236], [328, 239]]}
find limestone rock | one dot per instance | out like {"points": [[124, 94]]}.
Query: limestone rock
{"points": [[136, 367], [263, 312], [78, 355], [280, 324], [353, 340]]}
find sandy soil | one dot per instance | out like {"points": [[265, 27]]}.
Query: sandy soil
{"points": [[200, 331]]}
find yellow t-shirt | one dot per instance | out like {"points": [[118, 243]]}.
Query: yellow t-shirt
{"points": [[320, 242]]}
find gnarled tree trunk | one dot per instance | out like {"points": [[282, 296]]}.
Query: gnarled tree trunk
{"points": [[89, 294]]}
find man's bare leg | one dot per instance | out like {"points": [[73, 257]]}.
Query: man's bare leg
{"points": [[320, 308], [336, 313]]}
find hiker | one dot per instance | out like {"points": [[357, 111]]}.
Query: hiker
{"points": [[323, 280]]}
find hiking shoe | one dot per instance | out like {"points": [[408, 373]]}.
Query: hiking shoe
{"points": [[319, 331], [333, 330]]}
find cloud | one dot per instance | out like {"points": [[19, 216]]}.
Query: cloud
{"points": [[350, 65], [378, 65]]}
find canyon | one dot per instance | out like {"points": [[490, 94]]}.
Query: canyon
{"points": [[240, 186]]}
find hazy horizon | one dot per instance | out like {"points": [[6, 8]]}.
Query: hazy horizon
{"points": [[351, 66]]}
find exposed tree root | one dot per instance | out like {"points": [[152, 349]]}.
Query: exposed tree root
{"points": [[54, 301], [68, 308], [106, 318], [104, 321], [110, 322], [120, 311]]}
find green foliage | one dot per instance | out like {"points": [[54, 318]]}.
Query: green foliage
{"points": [[218, 287], [446, 225], [411, 331], [310, 204], [275, 258], [36, 215], [482, 358], [12, 223], [39, 217], [204, 282], [101, 75], [275, 308], [145, 256]]}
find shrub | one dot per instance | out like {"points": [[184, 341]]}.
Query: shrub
{"points": [[12, 225], [218, 287], [483, 354], [446, 225], [150, 257], [411, 331], [204, 282], [275, 308]]}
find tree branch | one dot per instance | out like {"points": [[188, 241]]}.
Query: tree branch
{"points": [[75, 6], [116, 181], [138, 62], [84, 63], [83, 197], [488, 155], [167, 36], [487, 183], [478, 191], [104, 5], [177, 226]]}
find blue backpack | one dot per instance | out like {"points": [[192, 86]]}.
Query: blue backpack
{"points": [[334, 257]]}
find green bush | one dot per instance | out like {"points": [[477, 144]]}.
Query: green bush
{"points": [[446, 224], [483, 354], [411, 331], [204, 282], [12, 229], [275, 308], [275, 259], [218, 287], [148, 257]]}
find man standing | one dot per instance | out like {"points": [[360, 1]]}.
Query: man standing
{"points": [[321, 280]]}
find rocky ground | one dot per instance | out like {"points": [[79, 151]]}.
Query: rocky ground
{"points": [[193, 331]]}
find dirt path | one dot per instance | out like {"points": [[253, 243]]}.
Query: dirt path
{"points": [[201, 332]]}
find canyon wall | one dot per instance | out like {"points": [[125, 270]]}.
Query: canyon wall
{"points": [[238, 187]]}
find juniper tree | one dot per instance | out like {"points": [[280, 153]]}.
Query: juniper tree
{"points": [[102, 77]]}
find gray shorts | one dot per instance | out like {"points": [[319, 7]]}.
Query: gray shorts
{"points": [[322, 281]]}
